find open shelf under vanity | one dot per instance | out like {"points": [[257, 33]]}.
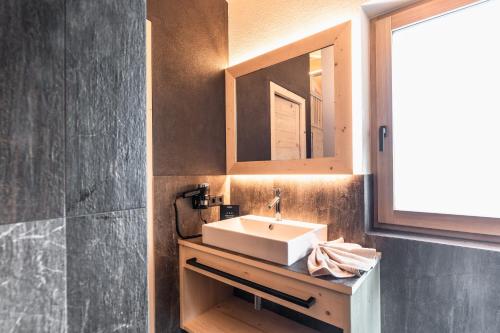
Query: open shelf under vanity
{"points": [[209, 304], [238, 315]]}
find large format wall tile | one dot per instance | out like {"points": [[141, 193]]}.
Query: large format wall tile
{"points": [[107, 272], [166, 249], [429, 287], [190, 44], [31, 110], [33, 277], [106, 106]]}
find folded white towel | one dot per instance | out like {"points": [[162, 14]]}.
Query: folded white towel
{"points": [[340, 259]]}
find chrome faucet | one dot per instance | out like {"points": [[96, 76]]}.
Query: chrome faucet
{"points": [[276, 203]]}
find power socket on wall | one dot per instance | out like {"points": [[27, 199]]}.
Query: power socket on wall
{"points": [[216, 200]]}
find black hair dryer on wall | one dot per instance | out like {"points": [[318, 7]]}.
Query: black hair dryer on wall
{"points": [[200, 199], [200, 196]]}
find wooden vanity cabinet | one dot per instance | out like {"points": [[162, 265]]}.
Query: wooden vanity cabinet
{"points": [[208, 276]]}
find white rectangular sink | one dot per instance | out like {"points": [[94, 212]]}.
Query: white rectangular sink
{"points": [[283, 242]]}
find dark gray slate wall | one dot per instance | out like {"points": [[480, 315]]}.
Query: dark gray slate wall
{"points": [[166, 248], [107, 272], [105, 102], [33, 277], [106, 166], [189, 56], [190, 48], [426, 287], [429, 287], [72, 166], [32, 226], [31, 110]]}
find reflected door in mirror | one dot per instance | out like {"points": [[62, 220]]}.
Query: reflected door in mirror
{"points": [[286, 138], [287, 111], [288, 124]]}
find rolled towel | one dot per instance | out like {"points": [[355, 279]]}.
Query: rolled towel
{"points": [[340, 259]]}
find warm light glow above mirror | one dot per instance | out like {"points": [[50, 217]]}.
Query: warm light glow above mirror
{"points": [[300, 178]]}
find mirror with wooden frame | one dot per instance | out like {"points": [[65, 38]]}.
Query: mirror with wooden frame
{"points": [[289, 111]]}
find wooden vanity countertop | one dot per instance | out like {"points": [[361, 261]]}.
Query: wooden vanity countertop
{"points": [[298, 270]]}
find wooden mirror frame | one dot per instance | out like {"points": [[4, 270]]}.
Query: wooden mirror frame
{"points": [[341, 163]]}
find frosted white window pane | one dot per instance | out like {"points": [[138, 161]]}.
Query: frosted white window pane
{"points": [[446, 113]]}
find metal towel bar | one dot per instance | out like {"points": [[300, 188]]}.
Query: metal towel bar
{"points": [[276, 293]]}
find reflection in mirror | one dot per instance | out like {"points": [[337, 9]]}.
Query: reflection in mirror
{"points": [[286, 111]]}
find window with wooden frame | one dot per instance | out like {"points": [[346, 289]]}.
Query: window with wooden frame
{"points": [[436, 95]]}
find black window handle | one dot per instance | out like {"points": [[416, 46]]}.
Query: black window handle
{"points": [[276, 293], [382, 134]]}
